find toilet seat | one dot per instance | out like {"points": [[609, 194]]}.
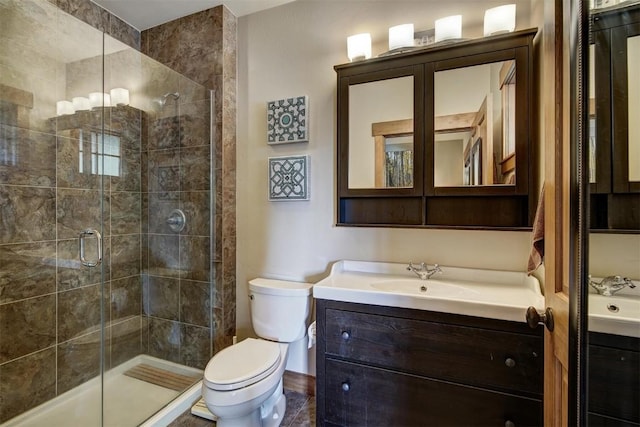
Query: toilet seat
{"points": [[242, 364]]}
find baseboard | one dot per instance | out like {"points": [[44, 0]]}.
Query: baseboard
{"points": [[301, 383]]}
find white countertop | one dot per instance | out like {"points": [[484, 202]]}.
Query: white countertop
{"points": [[494, 294]]}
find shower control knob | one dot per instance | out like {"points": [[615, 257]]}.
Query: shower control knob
{"points": [[345, 386], [510, 362], [346, 335]]}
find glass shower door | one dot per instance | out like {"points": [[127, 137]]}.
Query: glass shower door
{"points": [[53, 265]]}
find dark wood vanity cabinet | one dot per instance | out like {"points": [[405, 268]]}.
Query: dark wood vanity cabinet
{"points": [[387, 366], [614, 380], [439, 137], [614, 182]]}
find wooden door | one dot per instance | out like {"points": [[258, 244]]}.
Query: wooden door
{"points": [[555, 105]]}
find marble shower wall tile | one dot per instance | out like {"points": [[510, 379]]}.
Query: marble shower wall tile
{"points": [[78, 210], [125, 256], [27, 270], [194, 258], [195, 168], [195, 303], [78, 361], [161, 297], [126, 298], [27, 157], [125, 212], [27, 382], [27, 214], [78, 312], [196, 208], [195, 350], [72, 274], [125, 340], [165, 338], [35, 318], [164, 255]]}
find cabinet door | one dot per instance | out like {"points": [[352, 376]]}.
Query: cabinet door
{"points": [[364, 396]]}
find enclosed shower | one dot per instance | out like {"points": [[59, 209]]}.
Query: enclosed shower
{"points": [[106, 290]]}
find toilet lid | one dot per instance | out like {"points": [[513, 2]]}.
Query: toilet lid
{"points": [[242, 364]]}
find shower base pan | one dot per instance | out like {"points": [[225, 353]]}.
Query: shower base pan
{"points": [[144, 391]]}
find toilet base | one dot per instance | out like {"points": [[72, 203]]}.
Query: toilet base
{"points": [[269, 414]]}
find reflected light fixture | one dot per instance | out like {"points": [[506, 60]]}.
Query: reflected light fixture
{"points": [[449, 28], [64, 107], [119, 96], [401, 36], [501, 19], [99, 99], [359, 47], [80, 103]]}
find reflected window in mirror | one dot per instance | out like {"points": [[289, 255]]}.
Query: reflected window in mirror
{"points": [[475, 125], [100, 155], [381, 142]]}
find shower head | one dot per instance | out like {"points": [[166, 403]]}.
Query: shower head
{"points": [[163, 99]]}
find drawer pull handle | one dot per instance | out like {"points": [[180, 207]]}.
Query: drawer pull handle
{"points": [[510, 364], [346, 335], [346, 386], [509, 423]]}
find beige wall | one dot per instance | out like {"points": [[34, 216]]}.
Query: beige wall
{"points": [[291, 50]]}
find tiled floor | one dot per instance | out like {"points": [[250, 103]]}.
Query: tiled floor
{"points": [[301, 412]]}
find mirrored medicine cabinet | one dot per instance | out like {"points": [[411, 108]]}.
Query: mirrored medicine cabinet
{"points": [[439, 137], [614, 119]]}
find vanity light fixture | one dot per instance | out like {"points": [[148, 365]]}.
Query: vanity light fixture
{"points": [[64, 107], [501, 19], [359, 47], [449, 28], [99, 99], [401, 36], [80, 103], [119, 96]]}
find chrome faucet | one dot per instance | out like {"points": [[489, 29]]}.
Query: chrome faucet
{"points": [[611, 284], [423, 271]]}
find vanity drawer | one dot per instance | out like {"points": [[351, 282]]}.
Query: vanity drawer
{"points": [[479, 357], [614, 377], [357, 395]]}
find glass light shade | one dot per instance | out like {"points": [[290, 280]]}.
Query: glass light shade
{"points": [[99, 99], [449, 28], [501, 19], [359, 47], [80, 103], [401, 36], [119, 96], [64, 107]]}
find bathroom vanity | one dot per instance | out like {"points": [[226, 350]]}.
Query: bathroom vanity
{"points": [[390, 353]]}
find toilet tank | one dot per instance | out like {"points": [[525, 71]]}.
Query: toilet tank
{"points": [[280, 310]]}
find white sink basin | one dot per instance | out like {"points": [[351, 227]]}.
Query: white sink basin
{"points": [[421, 288], [618, 314], [493, 294]]}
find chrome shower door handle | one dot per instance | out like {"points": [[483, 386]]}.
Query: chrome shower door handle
{"points": [[83, 234]]}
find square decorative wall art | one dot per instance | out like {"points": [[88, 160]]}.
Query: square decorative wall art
{"points": [[289, 178], [288, 120]]}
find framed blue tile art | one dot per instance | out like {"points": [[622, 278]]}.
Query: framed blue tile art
{"points": [[288, 120], [289, 178]]}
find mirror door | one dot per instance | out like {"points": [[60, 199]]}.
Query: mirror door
{"points": [[612, 292]]}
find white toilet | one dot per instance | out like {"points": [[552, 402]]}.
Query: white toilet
{"points": [[242, 384]]}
